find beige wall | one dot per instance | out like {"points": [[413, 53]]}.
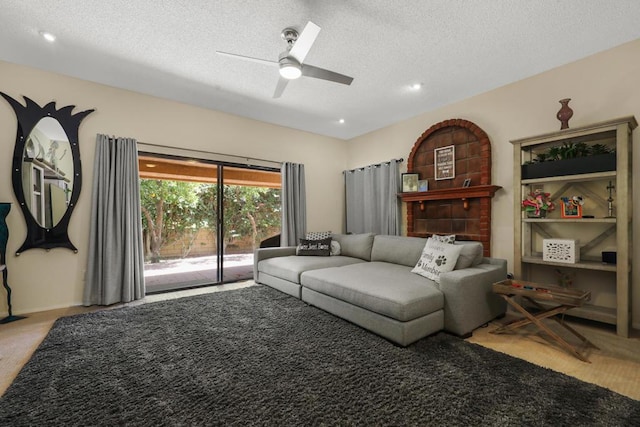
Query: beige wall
{"points": [[43, 280], [602, 87]]}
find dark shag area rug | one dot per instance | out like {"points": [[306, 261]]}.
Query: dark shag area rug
{"points": [[255, 356]]}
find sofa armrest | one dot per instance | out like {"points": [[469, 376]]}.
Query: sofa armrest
{"points": [[469, 301], [266, 253]]}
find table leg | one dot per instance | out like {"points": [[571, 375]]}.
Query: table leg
{"points": [[538, 322], [567, 327]]}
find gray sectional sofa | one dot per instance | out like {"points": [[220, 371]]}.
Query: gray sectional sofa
{"points": [[371, 284]]}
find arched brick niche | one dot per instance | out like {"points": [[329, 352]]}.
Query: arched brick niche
{"points": [[448, 208]]}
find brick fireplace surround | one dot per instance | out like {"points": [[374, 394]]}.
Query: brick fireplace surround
{"points": [[449, 208]]}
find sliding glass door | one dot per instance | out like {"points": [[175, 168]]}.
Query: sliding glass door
{"points": [[203, 219], [251, 202]]}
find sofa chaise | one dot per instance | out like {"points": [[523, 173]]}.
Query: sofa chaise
{"points": [[371, 284]]}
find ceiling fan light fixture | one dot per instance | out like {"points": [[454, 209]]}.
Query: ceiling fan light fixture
{"points": [[290, 69]]}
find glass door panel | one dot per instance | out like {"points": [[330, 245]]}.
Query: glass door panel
{"points": [[251, 214], [179, 221]]}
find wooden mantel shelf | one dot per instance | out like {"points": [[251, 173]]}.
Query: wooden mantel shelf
{"points": [[462, 193]]}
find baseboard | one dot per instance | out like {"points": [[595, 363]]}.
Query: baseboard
{"points": [[39, 309]]}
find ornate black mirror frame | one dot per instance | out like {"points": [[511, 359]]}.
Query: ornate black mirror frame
{"points": [[28, 117]]}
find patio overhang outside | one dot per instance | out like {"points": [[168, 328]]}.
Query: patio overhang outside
{"points": [[198, 171]]}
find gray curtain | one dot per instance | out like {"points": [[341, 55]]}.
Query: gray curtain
{"points": [[372, 199], [294, 204], [115, 271]]}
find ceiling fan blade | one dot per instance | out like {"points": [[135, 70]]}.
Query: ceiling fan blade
{"points": [[247, 58], [306, 39], [282, 83], [321, 73]]}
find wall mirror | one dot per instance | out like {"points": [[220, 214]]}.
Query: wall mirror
{"points": [[46, 171]]}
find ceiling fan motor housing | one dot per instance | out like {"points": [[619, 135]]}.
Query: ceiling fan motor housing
{"points": [[290, 35]]}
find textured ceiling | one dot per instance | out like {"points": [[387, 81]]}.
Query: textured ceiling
{"points": [[456, 48]]}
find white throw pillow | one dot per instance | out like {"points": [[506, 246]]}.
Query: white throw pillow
{"points": [[335, 248], [437, 257]]}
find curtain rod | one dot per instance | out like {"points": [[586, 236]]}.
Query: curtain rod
{"points": [[210, 152], [400, 160]]}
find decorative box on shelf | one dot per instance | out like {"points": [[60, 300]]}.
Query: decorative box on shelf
{"points": [[560, 250]]}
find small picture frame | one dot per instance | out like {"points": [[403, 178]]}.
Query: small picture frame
{"points": [[570, 209], [409, 182], [423, 185], [467, 182]]}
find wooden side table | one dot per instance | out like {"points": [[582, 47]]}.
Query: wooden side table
{"points": [[565, 299]]}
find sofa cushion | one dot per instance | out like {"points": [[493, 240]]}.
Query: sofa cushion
{"points": [[355, 245], [470, 255], [384, 288], [290, 267], [437, 257], [397, 249]]}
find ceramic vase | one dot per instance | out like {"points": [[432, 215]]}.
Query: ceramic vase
{"points": [[565, 113], [542, 213]]}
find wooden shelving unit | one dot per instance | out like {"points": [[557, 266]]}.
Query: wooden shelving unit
{"points": [[600, 231]]}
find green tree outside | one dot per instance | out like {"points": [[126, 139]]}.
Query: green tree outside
{"points": [[176, 211]]}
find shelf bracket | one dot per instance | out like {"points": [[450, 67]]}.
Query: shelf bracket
{"points": [[598, 239], [561, 191], [591, 194], [541, 231]]}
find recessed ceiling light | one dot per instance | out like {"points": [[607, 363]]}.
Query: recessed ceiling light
{"points": [[416, 86], [150, 165], [341, 121], [48, 36]]}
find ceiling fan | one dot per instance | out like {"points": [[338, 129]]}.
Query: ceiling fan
{"points": [[291, 61]]}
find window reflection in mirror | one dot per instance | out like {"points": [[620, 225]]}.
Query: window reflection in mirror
{"points": [[47, 172]]}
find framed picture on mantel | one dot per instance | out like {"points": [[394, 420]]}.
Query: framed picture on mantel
{"points": [[445, 162], [409, 182]]}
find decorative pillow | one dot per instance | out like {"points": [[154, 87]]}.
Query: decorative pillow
{"points": [[314, 247], [335, 248], [451, 238], [437, 257], [317, 235]]}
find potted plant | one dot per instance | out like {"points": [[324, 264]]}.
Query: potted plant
{"points": [[570, 159], [537, 204]]}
